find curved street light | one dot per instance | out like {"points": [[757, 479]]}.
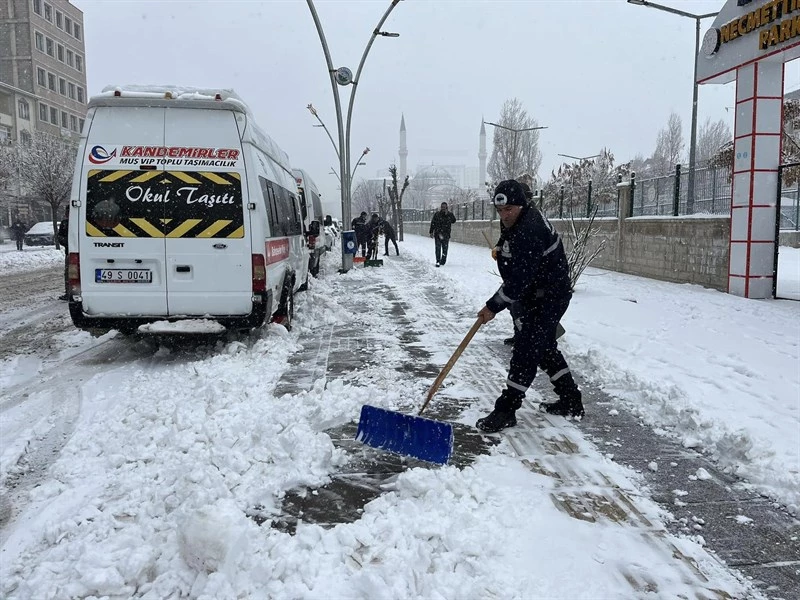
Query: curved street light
{"points": [[693, 140], [581, 158], [343, 76]]}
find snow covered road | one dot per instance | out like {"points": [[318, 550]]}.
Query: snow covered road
{"points": [[153, 494]]}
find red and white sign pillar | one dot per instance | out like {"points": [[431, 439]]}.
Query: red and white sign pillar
{"points": [[757, 155]]}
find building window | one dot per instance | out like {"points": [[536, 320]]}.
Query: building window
{"points": [[61, 53], [25, 137], [41, 76], [77, 31], [5, 134], [62, 86], [70, 58], [24, 109], [53, 116], [59, 20], [79, 62], [51, 82], [80, 124], [73, 123], [43, 112], [49, 47], [68, 25], [37, 7], [80, 94], [48, 12], [39, 42], [71, 90], [64, 120]]}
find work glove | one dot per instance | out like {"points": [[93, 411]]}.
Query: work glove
{"points": [[494, 253]]}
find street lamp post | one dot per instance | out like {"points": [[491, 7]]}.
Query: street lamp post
{"points": [[514, 143], [693, 141], [343, 76]]}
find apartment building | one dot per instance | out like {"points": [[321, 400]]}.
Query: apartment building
{"points": [[42, 76]]}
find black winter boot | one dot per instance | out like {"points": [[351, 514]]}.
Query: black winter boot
{"points": [[569, 403], [497, 420], [503, 414], [565, 408]]}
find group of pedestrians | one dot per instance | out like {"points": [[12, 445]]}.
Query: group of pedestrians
{"points": [[368, 232]]}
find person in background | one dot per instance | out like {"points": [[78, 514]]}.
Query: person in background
{"points": [[441, 225], [359, 225], [18, 229], [536, 288], [373, 232], [63, 239], [389, 236]]}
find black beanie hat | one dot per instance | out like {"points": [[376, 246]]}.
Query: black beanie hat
{"points": [[509, 193]]}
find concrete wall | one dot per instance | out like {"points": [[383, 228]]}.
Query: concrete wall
{"points": [[790, 238], [678, 249]]}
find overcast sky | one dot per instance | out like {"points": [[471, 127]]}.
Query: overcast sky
{"points": [[594, 72]]}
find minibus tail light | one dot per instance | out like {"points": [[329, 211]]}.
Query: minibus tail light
{"points": [[259, 273], [74, 274]]}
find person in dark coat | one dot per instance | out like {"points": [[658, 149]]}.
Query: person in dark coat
{"points": [[63, 239], [18, 230], [441, 225], [509, 341], [389, 236], [373, 232], [359, 225], [536, 288]]}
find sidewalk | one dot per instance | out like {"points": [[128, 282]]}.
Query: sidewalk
{"points": [[586, 463]]}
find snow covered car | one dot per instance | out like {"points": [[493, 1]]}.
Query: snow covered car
{"points": [[40, 234]]}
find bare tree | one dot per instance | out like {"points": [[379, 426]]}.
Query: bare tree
{"points": [[396, 198], [514, 152], [46, 166], [365, 195], [7, 165], [582, 253], [669, 146], [711, 137]]}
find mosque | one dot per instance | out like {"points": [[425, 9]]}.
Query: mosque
{"points": [[430, 185]]}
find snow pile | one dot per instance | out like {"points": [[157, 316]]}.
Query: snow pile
{"points": [[29, 259]]}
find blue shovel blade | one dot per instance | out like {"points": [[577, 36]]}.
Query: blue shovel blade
{"points": [[421, 438]]}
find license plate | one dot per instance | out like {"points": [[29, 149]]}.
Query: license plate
{"points": [[123, 276]]}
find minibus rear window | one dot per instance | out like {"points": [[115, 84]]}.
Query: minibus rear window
{"points": [[175, 204]]}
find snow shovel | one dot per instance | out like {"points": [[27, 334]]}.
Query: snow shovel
{"points": [[415, 436], [559, 328]]}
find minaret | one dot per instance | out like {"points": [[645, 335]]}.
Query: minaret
{"points": [[482, 158], [403, 153]]}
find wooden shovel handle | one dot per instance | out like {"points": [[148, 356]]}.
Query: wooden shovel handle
{"points": [[488, 241], [438, 381]]}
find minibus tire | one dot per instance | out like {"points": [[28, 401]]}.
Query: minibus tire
{"points": [[285, 310]]}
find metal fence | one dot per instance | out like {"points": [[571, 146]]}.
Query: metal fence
{"points": [[668, 194]]}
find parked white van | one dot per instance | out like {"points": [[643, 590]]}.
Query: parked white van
{"points": [[181, 208], [313, 219]]}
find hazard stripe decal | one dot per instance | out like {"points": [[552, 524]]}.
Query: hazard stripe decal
{"points": [[183, 228], [164, 204]]}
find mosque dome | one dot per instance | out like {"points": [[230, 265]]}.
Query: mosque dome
{"points": [[432, 176]]}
